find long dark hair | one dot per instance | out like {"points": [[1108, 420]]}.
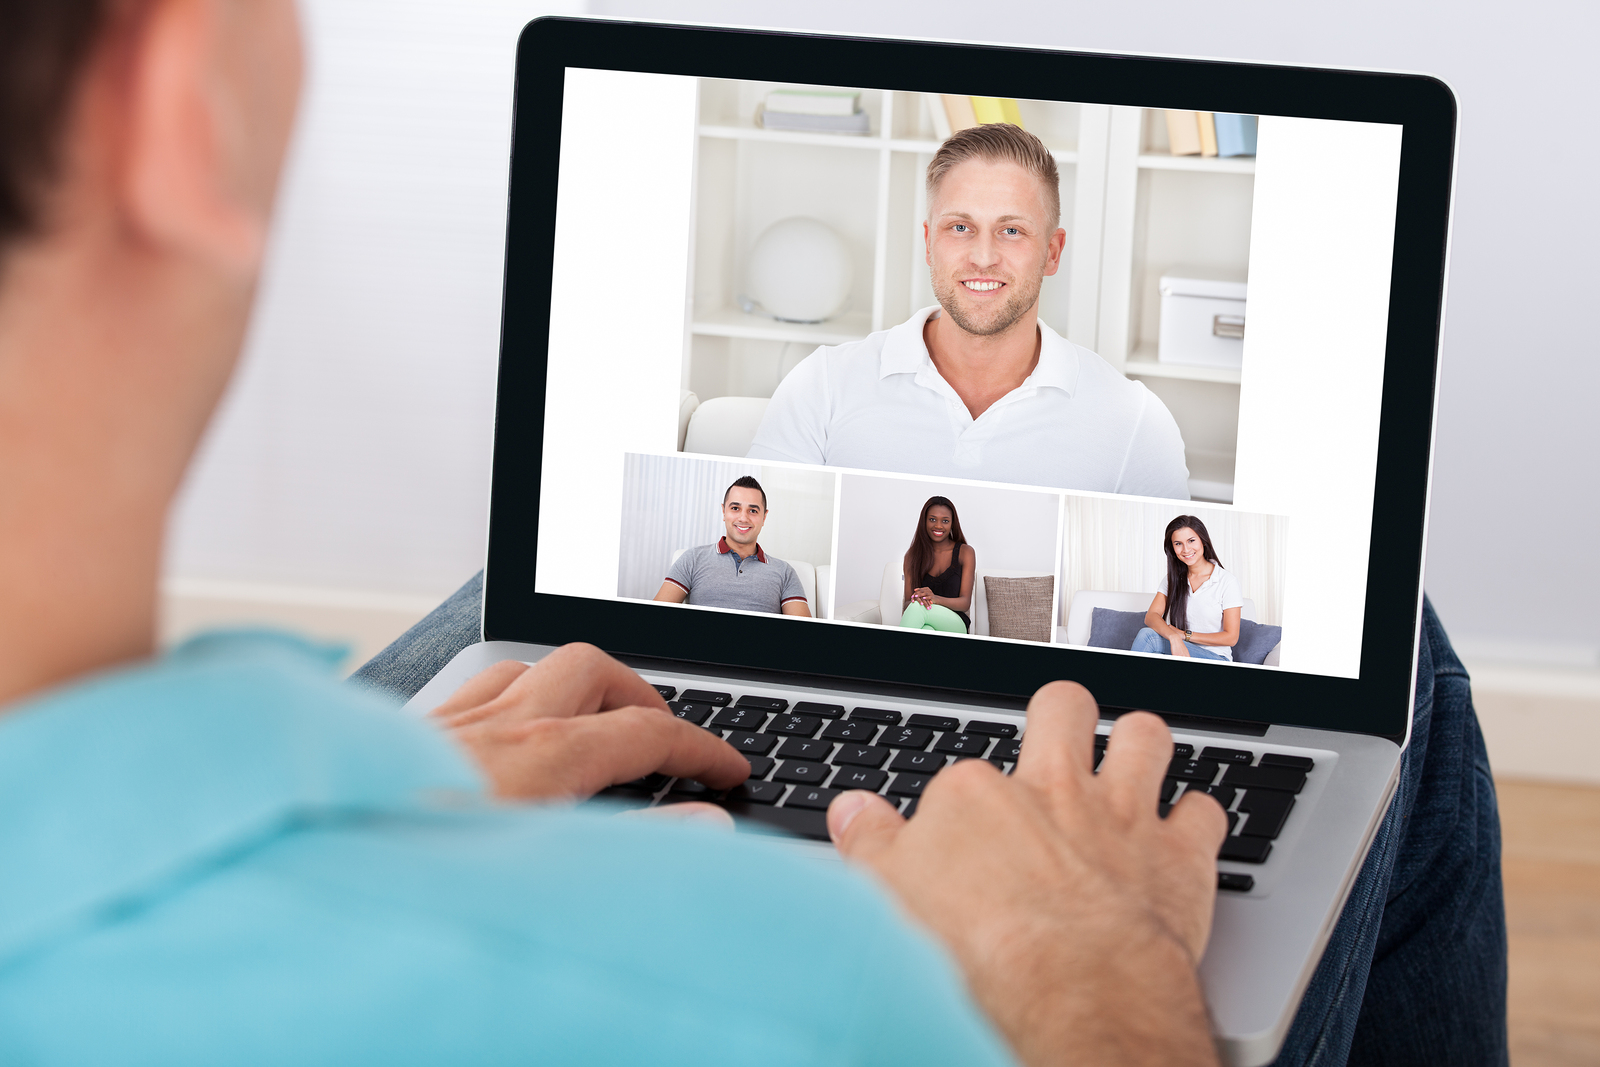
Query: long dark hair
{"points": [[919, 557], [1178, 571]]}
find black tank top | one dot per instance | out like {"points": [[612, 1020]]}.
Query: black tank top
{"points": [[948, 584]]}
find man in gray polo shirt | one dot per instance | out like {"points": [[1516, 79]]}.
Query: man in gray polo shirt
{"points": [[734, 572]]}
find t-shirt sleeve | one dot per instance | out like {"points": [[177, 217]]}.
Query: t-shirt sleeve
{"points": [[795, 426], [792, 589], [681, 573], [1232, 592], [1155, 463]]}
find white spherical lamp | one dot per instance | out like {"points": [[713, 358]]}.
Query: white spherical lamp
{"points": [[800, 271]]}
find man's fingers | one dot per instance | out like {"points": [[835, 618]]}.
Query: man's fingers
{"points": [[573, 680], [1059, 744], [863, 824], [621, 745], [1137, 755], [1199, 818], [482, 687]]}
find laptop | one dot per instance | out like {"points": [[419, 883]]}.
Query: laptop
{"points": [[725, 276]]}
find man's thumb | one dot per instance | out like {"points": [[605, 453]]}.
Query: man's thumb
{"points": [[863, 824]]}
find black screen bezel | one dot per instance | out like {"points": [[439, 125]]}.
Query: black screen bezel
{"points": [[1378, 702]]}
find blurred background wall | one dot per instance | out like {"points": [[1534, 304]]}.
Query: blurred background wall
{"points": [[343, 487]]}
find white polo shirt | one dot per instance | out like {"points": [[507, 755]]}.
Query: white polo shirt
{"points": [[881, 404], [1206, 605]]}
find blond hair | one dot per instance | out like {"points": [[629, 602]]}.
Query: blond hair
{"points": [[1000, 142]]}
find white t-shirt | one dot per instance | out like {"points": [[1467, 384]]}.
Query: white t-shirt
{"points": [[1216, 594], [880, 404]]}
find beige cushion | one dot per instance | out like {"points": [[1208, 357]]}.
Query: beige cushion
{"points": [[1020, 608]]}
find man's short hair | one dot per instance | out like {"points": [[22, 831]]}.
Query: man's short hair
{"points": [[1000, 142], [44, 45], [746, 482]]}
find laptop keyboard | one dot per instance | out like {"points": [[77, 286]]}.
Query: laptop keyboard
{"points": [[804, 755]]}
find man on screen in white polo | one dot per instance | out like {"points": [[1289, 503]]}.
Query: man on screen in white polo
{"points": [[735, 572], [977, 387]]}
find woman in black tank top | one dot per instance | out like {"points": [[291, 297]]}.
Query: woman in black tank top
{"points": [[939, 569]]}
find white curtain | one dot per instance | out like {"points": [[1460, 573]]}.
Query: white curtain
{"points": [[668, 503], [1116, 545]]}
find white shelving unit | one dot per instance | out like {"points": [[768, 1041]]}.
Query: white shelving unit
{"points": [[1131, 211]]}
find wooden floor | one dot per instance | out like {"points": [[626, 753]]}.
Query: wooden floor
{"points": [[1552, 877]]}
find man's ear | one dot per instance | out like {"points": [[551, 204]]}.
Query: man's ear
{"points": [[1054, 251], [208, 121], [927, 246]]}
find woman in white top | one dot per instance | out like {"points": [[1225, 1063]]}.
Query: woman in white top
{"points": [[1196, 612]]}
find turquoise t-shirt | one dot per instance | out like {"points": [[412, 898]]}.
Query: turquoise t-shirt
{"points": [[227, 857]]}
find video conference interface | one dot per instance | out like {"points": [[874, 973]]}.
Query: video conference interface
{"points": [[867, 358]]}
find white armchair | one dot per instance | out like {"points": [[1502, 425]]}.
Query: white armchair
{"points": [[893, 590], [723, 425]]}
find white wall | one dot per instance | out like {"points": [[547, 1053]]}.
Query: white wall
{"points": [[1513, 483], [1008, 529], [353, 449]]}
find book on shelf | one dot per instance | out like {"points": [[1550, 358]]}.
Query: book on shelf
{"points": [[855, 125], [958, 112], [996, 109], [1183, 133], [1236, 134], [1208, 132], [964, 112], [837, 102]]}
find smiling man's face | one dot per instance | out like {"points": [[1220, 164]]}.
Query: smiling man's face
{"points": [[991, 243], [743, 515]]}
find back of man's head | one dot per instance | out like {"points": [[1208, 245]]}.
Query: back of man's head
{"points": [[1000, 142], [44, 47]]}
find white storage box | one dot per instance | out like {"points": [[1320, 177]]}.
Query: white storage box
{"points": [[1202, 322]]}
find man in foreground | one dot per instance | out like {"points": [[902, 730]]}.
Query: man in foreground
{"points": [[735, 572], [978, 387], [223, 857]]}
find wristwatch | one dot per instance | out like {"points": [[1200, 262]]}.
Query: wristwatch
{"points": [[1188, 634]]}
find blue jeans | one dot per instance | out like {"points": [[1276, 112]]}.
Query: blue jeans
{"points": [[1415, 972], [1147, 640]]}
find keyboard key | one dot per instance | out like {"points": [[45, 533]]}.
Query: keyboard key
{"points": [[1245, 849], [1267, 811], [1169, 789], [935, 722], [760, 766], [859, 778], [667, 692], [803, 773], [918, 762], [1001, 765], [888, 718], [705, 696], [992, 729], [1182, 751], [962, 745], [821, 711], [1224, 794], [690, 788], [1163, 810], [1294, 763], [1101, 740], [906, 737], [1237, 883], [860, 756], [650, 783], [850, 731], [804, 748], [910, 809], [909, 785], [751, 818], [752, 744], [695, 713], [811, 798], [1007, 750], [1283, 779], [793, 725], [619, 797], [764, 703], [740, 718], [1229, 755], [1193, 770], [757, 792]]}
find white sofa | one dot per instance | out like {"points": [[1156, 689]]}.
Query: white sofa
{"points": [[814, 581], [893, 591], [1080, 614]]}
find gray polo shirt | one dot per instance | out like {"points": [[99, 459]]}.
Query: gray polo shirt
{"points": [[714, 576]]}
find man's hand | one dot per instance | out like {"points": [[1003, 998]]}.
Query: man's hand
{"points": [[1077, 914], [576, 722]]}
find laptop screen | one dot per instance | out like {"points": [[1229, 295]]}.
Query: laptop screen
{"points": [[991, 369]]}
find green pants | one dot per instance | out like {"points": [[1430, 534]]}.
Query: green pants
{"points": [[938, 617]]}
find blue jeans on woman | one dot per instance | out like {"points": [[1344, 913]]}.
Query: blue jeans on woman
{"points": [[1147, 640], [1415, 972]]}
